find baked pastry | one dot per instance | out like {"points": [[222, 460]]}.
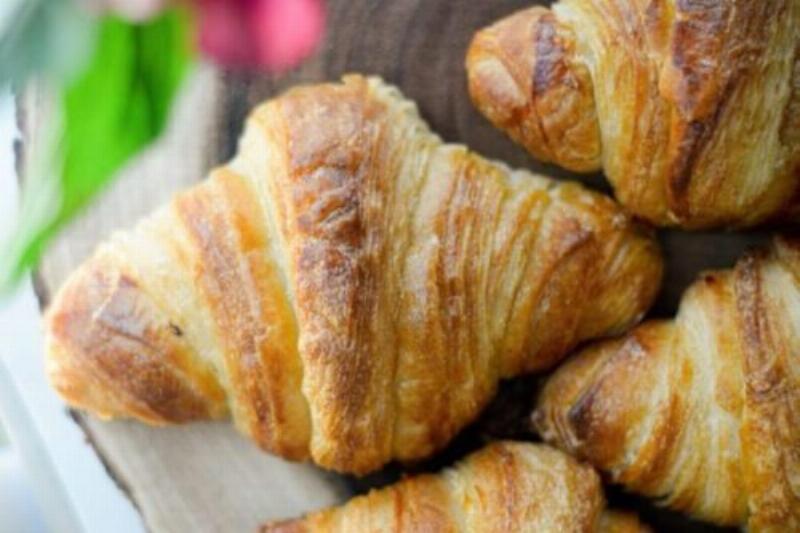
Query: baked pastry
{"points": [[348, 288], [701, 412], [504, 487], [692, 108]]}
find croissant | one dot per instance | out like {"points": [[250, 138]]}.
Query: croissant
{"points": [[691, 107], [506, 486], [701, 412], [348, 288]]}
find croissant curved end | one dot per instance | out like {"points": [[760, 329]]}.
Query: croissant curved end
{"points": [[522, 77], [111, 352]]}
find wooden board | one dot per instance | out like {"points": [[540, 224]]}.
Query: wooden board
{"points": [[205, 477]]}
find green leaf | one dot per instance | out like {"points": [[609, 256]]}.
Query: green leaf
{"points": [[116, 107]]}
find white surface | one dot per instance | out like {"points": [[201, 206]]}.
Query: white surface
{"points": [[19, 511], [69, 483]]}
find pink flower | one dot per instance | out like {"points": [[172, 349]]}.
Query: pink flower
{"points": [[272, 34]]}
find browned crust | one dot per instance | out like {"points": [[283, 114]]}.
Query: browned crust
{"points": [[522, 77], [503, 487], [336, 257], [711, 59], [349, 288], [701, 412], [123, 358], [695, 101], [772, 398], [244, 291]]}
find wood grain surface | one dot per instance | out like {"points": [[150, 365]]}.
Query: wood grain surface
{"points": [[204, 477]]}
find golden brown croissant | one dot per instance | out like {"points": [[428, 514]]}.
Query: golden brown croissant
{"points": [[505, 487], [702, 412], [348, 288], [691, 107]]}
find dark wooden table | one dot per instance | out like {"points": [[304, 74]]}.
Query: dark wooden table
{"points": [[205, 477]]}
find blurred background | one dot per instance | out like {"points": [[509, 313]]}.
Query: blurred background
{"points": [[19, 510]]}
